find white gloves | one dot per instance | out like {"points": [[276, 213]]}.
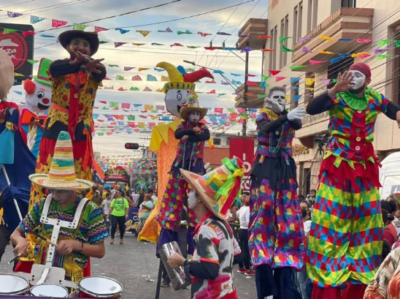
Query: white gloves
{"points": [[273, 105], [296, 114]]}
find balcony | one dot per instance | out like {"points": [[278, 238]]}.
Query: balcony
{"points": [[346, 23], [253, 28], [312, 125], [253, 101]]}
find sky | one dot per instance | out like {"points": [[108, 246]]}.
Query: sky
{"points": [[146, 56]]}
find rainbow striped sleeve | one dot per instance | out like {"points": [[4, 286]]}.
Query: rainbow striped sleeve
{"points": [[32, 219], [97, 230]]}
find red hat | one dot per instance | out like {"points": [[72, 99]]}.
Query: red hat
{"points": [[362, 68], [197, 75]]}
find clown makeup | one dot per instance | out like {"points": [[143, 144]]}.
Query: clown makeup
{"points": [[192, 199], [277, 97], [194, 117], [358, 81], [80, 45]]}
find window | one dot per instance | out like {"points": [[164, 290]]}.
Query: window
{"points": [[295, 18], [349, 3], [217, 141], [309, 88], [272, 53], [315, 14], [286, 33], [300, 22], [294, 91], [395, 96], [275, 47], [309, 15], [281, 54]]}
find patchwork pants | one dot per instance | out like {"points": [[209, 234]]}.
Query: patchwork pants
{"points": [[276, 234], [345, 241]]}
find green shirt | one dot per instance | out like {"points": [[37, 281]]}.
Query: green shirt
{"points": [[119, 205]]}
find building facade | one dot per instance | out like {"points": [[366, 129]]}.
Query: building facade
{"points": [[309, 26]]}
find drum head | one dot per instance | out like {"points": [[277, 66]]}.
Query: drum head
{"points": [[49, 290], [100, 286], [12, 284]]}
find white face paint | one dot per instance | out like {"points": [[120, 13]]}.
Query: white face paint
{"points": [[278, 97], [358, 80], [194, 117], [40, 100], [192, 199], [174, 99]]}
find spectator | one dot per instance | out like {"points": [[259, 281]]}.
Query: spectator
{"points": [[141, 198], [153, 196], [301, 197], [145, 210], [311, 197], [390, 231], [119, 212], [106, 205], [243, 214], [303, 204]]}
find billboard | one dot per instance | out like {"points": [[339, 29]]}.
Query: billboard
{"points": [[243, 148], [18, 47]]}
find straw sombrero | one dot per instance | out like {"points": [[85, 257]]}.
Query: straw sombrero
{"points": [[92, 37], [62, 170], [191, 105], [218, 188], [6, 74]]}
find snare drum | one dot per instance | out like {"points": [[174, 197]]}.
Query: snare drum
{"points": [[49, 290], [99, 287], [11, 284]]}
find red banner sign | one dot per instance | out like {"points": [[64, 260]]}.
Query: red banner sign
{"points": [[243, 148]]}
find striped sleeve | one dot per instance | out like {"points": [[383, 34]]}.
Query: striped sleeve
{"points": [[97, 230], [32, 219]]}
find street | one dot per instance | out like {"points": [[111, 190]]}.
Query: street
{"points": [[131, 263]]}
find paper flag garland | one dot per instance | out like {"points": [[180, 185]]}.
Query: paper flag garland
{"points": [[310, 81], [8, 30], [359, 54], [384, 42], [296, 67], [294, 80], [119, 77], [13, 14], [143, 32], [212, 92], [117, 44], [315, 62], [267, 50], [136, 44], [218, 72], [305, 50], [236, 75], [168, 30], [143, 69], [184, 32], [334, 60], [380, 57], [277, 79], [210, 48], [397, 43], [296, 98], [364, 41], [286, 49], [325, 37], [203, 34], [250, 83], [225, 83], [251, 75], [157, 44], [35, 19], [80, 27], [223, 33], [325, 81], [265, 78], [246, 49], [133, 89], [103, 42], [58, 23], [326, 52], [274, 72], [211, 82], [346, 40], [122, 31], [147, 89], [234, 82], [264, 36], [176, 45], [310, 89], [304, 39], [283, 38], [128, 68], [31, 61], [192, 47], [380, 51], [159, 70], [136, 78], [151, 78], [164, 78], [99, 29]]}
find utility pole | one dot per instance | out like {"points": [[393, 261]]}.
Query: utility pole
{"points": [[246, 72]]}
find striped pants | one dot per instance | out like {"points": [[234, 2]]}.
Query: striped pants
{"points": [[345, 240]]}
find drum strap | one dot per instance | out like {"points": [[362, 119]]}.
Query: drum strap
{"points": [[58, 224]]}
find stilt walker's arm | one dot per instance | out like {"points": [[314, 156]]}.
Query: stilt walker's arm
{"points": [[320, 104]]}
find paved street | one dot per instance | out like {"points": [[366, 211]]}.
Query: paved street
{"points": [[129, 263]]}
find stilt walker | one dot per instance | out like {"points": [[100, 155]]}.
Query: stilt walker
{"points": [[74, 85], [345, 242], [276, 236]]}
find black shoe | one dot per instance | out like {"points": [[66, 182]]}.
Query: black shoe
{"points": [[165, 284]]}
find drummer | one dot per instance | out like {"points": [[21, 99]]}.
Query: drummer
{"points": [[74, 246], [216, 248]]}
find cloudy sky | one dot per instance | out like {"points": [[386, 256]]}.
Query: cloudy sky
{"points": [[147, 56]]}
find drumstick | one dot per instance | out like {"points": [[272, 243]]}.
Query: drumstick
{"points": [[41, 237], [16, 257]]}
